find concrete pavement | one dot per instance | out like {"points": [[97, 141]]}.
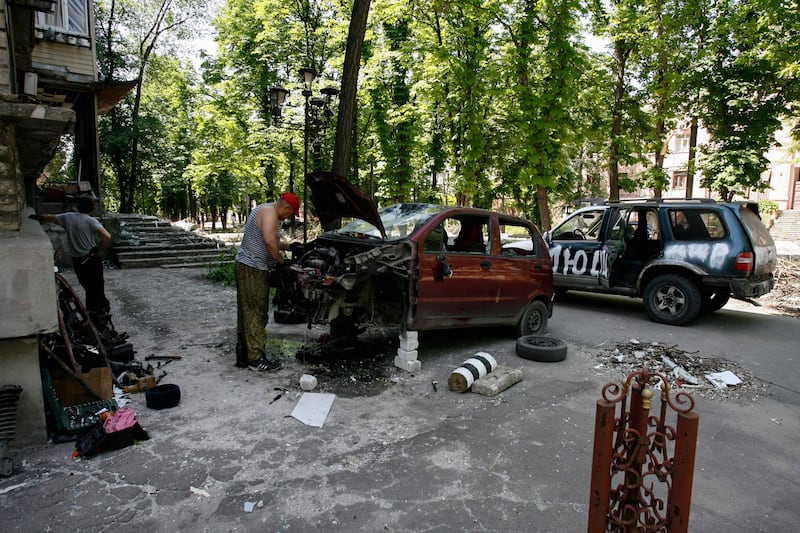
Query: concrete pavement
{"points": [[393, 454]]}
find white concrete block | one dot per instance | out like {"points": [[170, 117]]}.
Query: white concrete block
{"points": [[408, 355], [409, 366], [410, 336], [409, 340]]}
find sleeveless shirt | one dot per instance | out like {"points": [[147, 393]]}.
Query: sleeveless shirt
{"points": [[253, 252]]}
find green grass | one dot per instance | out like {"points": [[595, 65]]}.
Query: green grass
{"points": [[222, 270]]}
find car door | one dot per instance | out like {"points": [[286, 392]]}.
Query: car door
{"points": [[455, 276], [613, 249], [521, 267], [576, 249]]}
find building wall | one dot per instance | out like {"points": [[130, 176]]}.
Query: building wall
{"points": [[780, 175], [76, 63], [27, 293]]}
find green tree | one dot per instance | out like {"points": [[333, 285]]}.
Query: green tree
{"points": [[748, 83], [129, 35]]}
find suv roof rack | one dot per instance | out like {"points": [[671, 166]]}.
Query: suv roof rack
{"points": [[662, 201]]}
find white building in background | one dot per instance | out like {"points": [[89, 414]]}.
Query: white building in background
{"points": [[782, 176]]}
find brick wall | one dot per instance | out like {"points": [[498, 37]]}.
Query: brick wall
{"points": [[10, 180]]}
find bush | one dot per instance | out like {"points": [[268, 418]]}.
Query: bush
{"points": [[766, 208], [222, 270]]}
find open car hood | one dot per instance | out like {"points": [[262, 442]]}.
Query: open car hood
{"points": [[334, 197]]}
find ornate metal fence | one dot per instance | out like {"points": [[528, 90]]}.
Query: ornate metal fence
{"points": [[643, 467]]}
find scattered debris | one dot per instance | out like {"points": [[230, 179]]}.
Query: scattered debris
{"points": [[199, 492], [690, 371], [250, 506], [785, 297]]}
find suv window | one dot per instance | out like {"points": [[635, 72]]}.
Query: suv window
{"points": [[696, 225], [585, 227]]}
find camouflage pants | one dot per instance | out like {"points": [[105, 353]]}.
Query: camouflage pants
{"points": [[252, 312]]}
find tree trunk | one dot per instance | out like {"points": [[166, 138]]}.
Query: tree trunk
{"points": [[692, 154], [621, 57], [544, 208], [347, 96]]}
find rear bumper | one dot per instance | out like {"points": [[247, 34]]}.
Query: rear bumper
{"points": [[744, 288]]}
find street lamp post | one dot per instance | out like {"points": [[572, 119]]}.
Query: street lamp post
{"points": [[319, 108], [308, 75]]}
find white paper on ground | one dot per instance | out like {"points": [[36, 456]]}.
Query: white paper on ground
{"points": [[722, 379], [313, 408]]}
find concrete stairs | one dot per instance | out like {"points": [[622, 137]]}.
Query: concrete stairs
{"points": [[141, 241], [787, 226]]}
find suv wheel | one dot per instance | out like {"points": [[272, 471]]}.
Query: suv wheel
{"points": [[534, 320], [672, 299]]}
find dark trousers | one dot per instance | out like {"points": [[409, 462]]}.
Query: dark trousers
{"points": [[89, 270]]}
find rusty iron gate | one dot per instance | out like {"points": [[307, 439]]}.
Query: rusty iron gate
{"points": [[642, 467]]}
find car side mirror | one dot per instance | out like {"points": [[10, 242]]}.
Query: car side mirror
{"points": [[547, 236]]}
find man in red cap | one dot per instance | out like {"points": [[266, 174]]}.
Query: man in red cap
{"points": [[258, 255]]}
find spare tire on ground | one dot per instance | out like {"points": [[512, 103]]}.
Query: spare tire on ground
{"points": [[163, 396], [542, 349]]}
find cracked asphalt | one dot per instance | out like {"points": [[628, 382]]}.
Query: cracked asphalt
{"points": [[400, 457]]}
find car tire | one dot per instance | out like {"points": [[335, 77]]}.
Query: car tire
{"points": [[163, 396], [672, 299], [714, 301], [534, 319], [542, 349]]}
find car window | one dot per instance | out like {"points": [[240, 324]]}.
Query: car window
{"points": [[399, 221], [467, 234], [642, 226], [696, 225], [620, 226], [517, 239], [755, 228], [582, 226], [436, 240]]}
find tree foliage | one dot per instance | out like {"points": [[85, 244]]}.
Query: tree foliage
{"points": [[480, 102]]}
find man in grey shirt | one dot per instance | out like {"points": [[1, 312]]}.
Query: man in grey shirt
{"points": [[85, 236]]}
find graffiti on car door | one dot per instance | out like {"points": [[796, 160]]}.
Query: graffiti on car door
{"points": [[571, 261]]}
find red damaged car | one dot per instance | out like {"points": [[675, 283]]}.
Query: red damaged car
{"points": [[416, 266]]}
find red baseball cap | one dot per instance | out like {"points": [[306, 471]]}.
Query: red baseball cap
{"points": [[292, 200]]}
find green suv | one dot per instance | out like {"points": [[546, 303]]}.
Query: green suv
{"points": [[683, 258]]}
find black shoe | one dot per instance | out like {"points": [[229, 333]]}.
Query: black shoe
{"points": [[265, 365]]}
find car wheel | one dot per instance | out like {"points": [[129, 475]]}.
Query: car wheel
{"points": [[534, 319], [672, 299], [714, 301], [542, 349]]}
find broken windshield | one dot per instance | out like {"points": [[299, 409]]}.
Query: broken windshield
{"points": [[399, 221]]}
